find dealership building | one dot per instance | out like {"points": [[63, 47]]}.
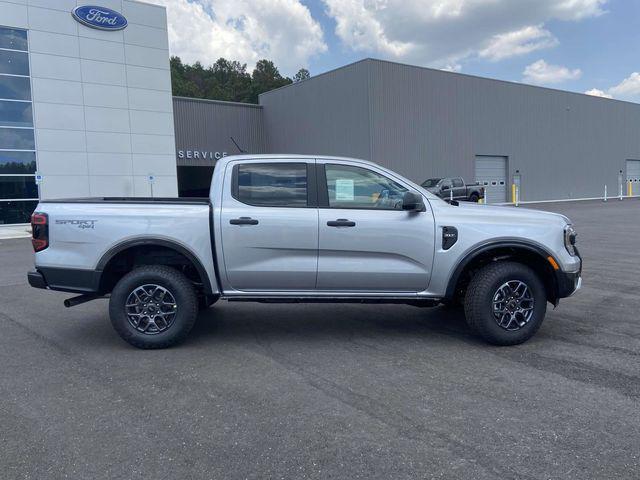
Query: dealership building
{"points": [[86, 110]]}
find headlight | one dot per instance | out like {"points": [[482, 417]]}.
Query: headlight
{"points": [[570, 236]]}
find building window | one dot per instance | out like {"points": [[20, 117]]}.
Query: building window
{"points": [[18, 190]]}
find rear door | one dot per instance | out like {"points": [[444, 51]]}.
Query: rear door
{"points": [[270, 225], [367, 242]]}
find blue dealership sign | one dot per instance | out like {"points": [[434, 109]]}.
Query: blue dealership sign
{"points": [[101, 18]]}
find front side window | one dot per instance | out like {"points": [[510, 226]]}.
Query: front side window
{"points": [[457, 182], [356, 187], [271, 184], [431, 183]]}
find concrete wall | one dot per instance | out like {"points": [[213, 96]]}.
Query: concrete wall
{"points": [[423, 123], [102, 99], [204, 128]]}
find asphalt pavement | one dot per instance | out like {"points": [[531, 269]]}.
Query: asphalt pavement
{"points": [[330, 391]]}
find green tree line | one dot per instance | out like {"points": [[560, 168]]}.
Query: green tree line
{"points": [[228, 80]]}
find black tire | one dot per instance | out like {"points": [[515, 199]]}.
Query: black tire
{"points": [[474, 197], [478, 303], [178, 324]]}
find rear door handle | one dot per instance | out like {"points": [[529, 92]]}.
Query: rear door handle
{"points": [[341, 222], [243, 221]]}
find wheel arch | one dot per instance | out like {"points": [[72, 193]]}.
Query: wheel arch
{"points": [[527, 253], [116, 252]]}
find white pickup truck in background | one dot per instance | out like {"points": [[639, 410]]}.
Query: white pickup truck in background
{"points": [[283, 228]]}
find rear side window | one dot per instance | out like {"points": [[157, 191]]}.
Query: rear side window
{"points": [[271, 184], [457, 182]]}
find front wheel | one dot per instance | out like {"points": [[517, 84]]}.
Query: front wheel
{"points": [[505, 303], [153, 306]]}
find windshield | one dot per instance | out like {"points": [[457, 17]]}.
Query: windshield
{"points": [[432, 182]]}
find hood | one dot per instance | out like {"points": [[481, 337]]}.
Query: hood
{"points": [[509, 213]]}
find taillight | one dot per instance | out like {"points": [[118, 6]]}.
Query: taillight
{"points": [[40, 231]]}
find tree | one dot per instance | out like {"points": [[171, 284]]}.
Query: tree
{"points": [[266, 77], [302, 74], [227, 80]]}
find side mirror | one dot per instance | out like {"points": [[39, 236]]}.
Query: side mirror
{"points": [[412, 202], [445, 187]]}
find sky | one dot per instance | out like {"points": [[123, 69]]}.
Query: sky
{"points": [[587, 46]]}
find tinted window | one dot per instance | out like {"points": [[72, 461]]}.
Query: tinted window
{"points": [[15, 88], [272, 184], [17, 138], [18, 187], [355, 187], [17, 162], [457, 182], [15, 63], [16, 114], [16, 212], [13, 39]]}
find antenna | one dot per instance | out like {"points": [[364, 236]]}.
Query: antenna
{"points": [[237, 146]]}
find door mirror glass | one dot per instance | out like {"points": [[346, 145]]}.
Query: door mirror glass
{"points": [[412, 202], [445, 187]]}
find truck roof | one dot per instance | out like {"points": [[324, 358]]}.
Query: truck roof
{"points": [[286, 156]]}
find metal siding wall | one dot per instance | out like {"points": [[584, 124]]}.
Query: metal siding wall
{"points": [[431, 123], [326, 115], [208, 125]]}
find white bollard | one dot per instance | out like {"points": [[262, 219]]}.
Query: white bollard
{"points": [[605, 194], [517, 195], [451, 195]]}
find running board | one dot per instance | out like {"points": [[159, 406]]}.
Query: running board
{"points": [[377, 300]]}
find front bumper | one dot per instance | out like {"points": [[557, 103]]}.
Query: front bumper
{"points": [[569, 283]]}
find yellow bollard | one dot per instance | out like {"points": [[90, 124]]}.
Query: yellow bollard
{"points": [[629, 189], [513, 193]]}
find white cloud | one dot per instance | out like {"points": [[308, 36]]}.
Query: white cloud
{"points": [[598, 93], [628, 89], [542, 73], [441, 32], [520, 42], [452, 67], [244, 30]]}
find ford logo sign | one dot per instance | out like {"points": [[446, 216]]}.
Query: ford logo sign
{"points": [[101, 18]]}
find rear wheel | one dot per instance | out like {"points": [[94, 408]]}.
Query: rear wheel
{"points": [[505, 303], [474, 197], [153, 307]]}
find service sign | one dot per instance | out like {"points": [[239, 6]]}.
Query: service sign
{"points": [[101, 18]]}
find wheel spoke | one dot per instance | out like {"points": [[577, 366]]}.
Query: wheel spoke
{"points": [[151, 309], [512, 305]]}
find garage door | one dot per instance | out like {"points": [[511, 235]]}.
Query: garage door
{"points": [[633, 176], [491, 173]]}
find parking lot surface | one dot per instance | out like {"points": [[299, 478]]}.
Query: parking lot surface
{"points": [[330, 391]]}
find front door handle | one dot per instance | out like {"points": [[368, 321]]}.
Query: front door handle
{"points": [[341, 222], [243, 221]]}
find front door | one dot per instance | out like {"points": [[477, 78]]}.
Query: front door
{"points": [[367, 242], [270, 225], [459, 190]]}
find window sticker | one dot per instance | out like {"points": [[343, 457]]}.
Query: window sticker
{"points": [[344, 189]]}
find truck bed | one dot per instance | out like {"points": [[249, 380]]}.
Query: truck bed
{"points": [[135, 200]]}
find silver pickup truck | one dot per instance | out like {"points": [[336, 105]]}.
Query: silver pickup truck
{"points": [[284, 228]]}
